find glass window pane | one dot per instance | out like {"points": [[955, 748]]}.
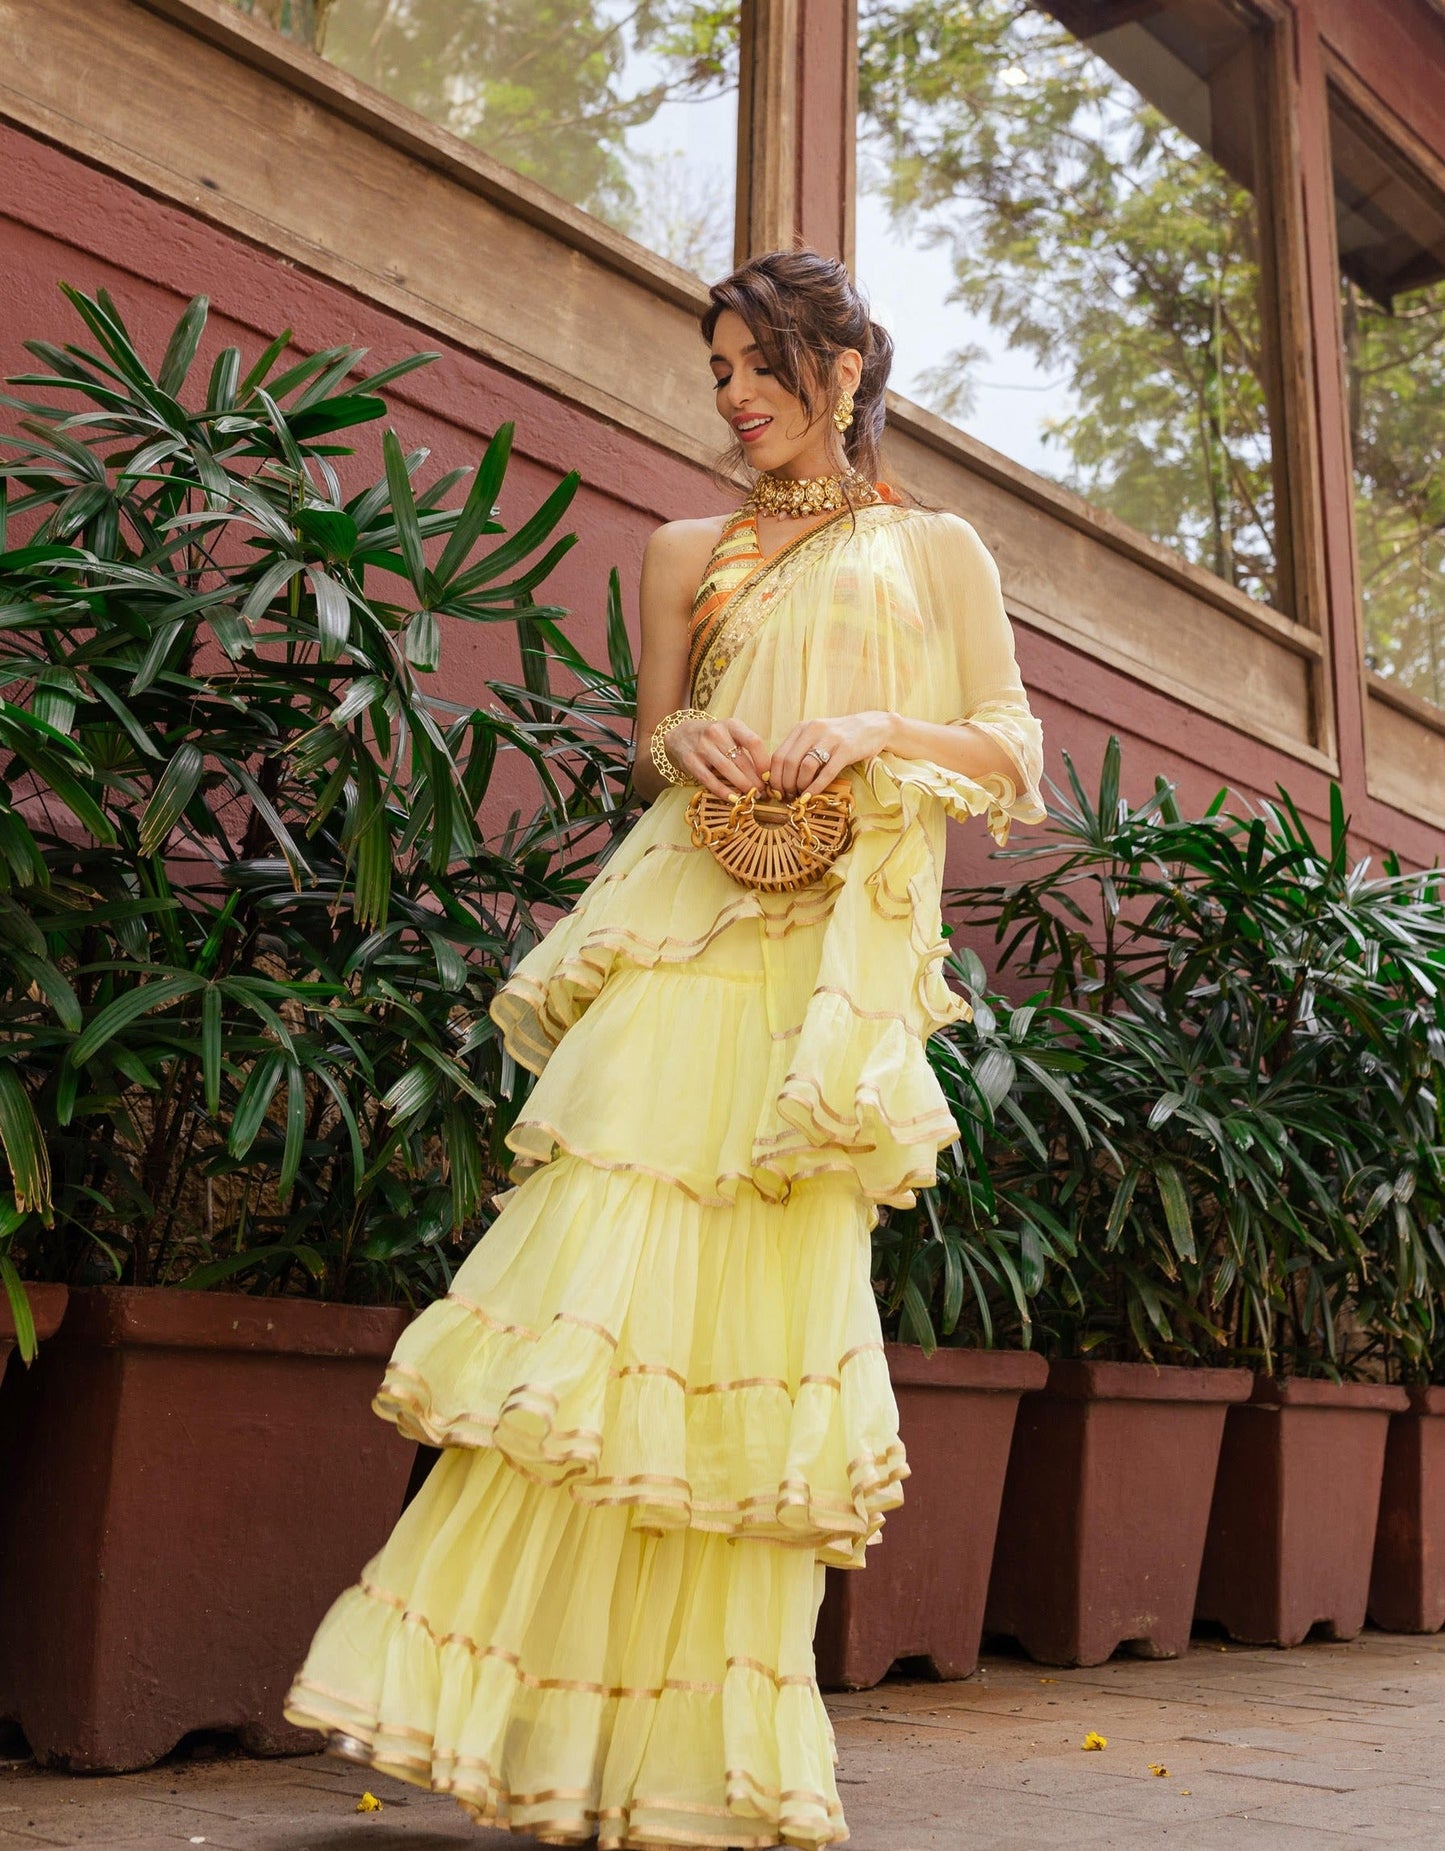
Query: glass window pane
{"points": [[1059, 219], [1391, 228], [626, 108]]}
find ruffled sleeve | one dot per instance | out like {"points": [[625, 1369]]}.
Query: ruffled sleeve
{"points": [[970, 674]]}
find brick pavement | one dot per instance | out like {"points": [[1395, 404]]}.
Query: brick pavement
{"points": [[1328, 1747]]}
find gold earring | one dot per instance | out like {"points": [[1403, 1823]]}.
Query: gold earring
{"points": [[843, 412]]}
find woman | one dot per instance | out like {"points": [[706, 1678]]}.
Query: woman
{"points": [[659, 1380]]}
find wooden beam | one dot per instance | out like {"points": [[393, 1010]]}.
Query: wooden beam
{"points": [[1406, 752], [797, 104], [1299, 536], [1386, 748], [827, 154], [768, 127], [1335, 488]]}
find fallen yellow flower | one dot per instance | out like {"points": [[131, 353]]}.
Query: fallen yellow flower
{"points": [[1158, 1768], [368, 1803], [1092, 1740]]}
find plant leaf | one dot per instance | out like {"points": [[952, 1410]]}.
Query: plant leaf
{"points": [[174, 789], [24, 1145]]}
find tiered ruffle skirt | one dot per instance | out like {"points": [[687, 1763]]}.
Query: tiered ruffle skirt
{"points": [[659, 1379], [597, 1616]]}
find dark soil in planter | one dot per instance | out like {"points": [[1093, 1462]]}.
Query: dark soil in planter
{"points": [[47, 1308], [1407, 1580], [1105, 1509], [1292, 1530], [922, 1592], [193, 1477]]}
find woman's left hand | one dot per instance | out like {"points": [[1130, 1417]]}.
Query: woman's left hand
{"points": [[797, 766]]}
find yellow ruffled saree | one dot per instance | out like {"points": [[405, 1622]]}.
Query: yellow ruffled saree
{"points": [[659, 1379]]}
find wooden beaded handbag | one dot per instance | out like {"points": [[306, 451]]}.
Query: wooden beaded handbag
{"points": [[773, 843]]}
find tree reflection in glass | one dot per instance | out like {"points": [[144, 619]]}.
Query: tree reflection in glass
{"points": [[1391, 229], [1090, 169], [626, 108]]}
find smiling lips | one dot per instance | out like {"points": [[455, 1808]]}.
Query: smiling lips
{"points": [[749, 428]]}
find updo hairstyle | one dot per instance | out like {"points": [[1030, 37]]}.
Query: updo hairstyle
{"points": [[803, 311]]}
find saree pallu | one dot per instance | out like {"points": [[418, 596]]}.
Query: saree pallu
{"points": [[659, 1380]]}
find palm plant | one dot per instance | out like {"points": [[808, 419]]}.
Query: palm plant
{"points": [[1252, 1168], [250, 917]]}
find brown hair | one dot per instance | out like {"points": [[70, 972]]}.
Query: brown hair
{"points": [[803, 310]]}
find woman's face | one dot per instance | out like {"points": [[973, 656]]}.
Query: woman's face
{"points": [[769, 423]]}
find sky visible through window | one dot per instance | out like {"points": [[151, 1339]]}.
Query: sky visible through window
{"points": [[1059, 225], [908, 284], [682, 164]]}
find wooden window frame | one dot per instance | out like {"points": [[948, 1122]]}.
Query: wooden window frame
{"points": [[1404, 734], [797, 113], [1295, 445], [1304, 630]]}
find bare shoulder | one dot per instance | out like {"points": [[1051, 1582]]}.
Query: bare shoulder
{"points": [[678, 551], [686, 539]]}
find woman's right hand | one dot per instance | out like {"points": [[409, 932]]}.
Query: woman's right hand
{"points": [[724, 756]]}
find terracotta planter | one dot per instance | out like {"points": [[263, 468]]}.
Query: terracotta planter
{"points": [[192, 1478], [922, 1593], [47, 1308], [1105, 1508], [1292, 1530], [1407, 1579]]}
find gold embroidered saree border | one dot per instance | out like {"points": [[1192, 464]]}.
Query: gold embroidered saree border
{"points": [[731, 563]]}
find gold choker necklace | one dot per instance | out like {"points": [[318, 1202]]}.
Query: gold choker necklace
{"points": [[792, 497]]}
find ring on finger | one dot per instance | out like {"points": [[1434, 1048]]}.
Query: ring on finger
{"points": [[821, 753]]}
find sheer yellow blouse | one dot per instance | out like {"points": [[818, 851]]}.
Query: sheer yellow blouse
{"points": [[889, 607]]}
